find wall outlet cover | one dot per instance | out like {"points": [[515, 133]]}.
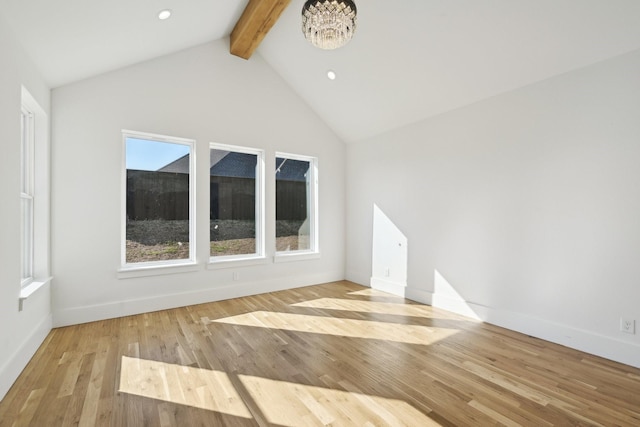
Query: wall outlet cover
{"points": [[628, 325]]}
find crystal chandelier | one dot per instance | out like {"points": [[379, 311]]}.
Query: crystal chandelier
{"points": [[329, 24]]}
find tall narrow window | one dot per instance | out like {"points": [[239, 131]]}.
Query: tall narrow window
{"points": [[159, 199], [27, 195], [296, 203], [34, 197], [236, 214]]}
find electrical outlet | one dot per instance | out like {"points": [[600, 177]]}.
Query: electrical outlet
{"points": [[386, 272], [628, 325], [236, 276]]}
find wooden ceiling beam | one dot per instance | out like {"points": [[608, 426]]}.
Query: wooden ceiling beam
{"points": [[254, 24]]}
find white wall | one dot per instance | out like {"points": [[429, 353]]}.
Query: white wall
{"points": [[524, 208], [389, 251], [21, 332], [206, 94]]}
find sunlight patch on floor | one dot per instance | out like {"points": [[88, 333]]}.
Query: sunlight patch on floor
{"points": [[184, 385], [411, 310], [370, 292], [366, 329], [282, 403], [290, 404]]}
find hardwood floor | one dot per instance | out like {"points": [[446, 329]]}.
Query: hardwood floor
{"points": [[335, 354]]}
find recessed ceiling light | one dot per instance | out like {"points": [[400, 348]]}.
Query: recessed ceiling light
{"points": [[164, 14], [331, 75]]}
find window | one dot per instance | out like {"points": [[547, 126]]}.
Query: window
{"points": [[159, 192], [236, 215], [296, 203], [27, 195], [34, 197]]}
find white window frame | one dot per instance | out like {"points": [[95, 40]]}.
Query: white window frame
{"points": [[27, 200], [151, 268], [224, 261], [314, 240], [34, 188]]}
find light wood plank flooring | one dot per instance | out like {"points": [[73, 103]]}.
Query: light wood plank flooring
{"points": [[335, 354]]}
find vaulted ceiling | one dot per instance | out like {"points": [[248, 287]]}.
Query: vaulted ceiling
{"points": [[409, 59]]}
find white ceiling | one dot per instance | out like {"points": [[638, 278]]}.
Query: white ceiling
{"points": [[409, 59], [70, 40]]}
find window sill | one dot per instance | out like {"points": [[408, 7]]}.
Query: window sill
{"points": [[216, 263], [156, 269], [295, 256], [32, 287]]}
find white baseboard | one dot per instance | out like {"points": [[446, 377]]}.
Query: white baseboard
{"points": [[85, 314], [599, 345], [401, 290], [455, 305], [388, 286], [418, 295], [568, 336], [14, 366]]}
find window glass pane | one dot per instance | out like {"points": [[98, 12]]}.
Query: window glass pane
{"points": [[157, 227], [26, 198], [293, 204], [25, 153], [26, 230], [232, 186]]}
